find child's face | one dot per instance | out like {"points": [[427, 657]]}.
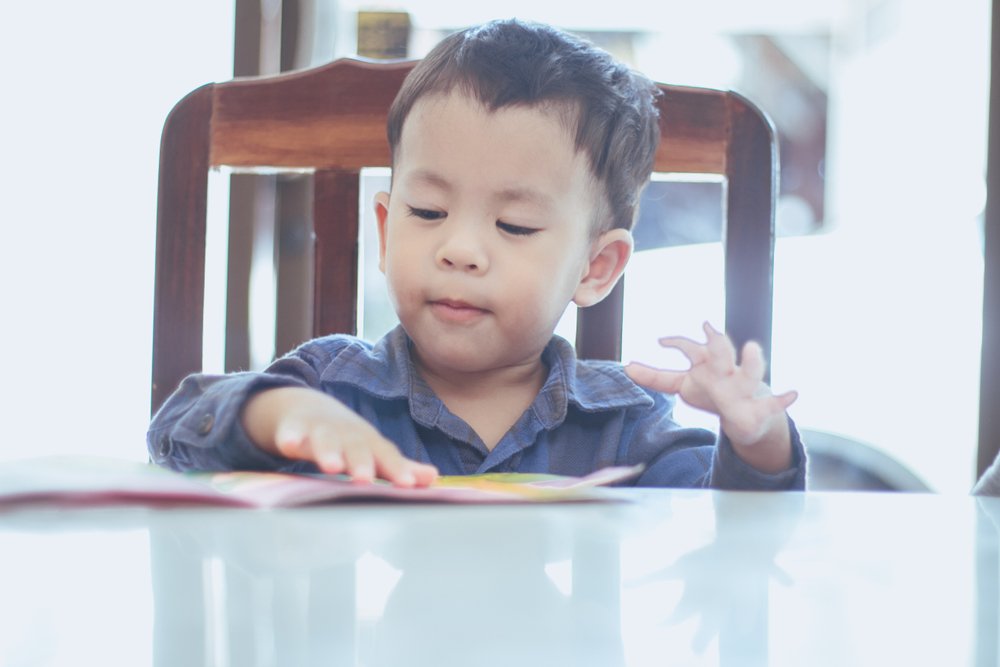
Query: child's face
{"points": [[486, 238]]}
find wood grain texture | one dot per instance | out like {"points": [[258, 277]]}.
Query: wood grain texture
{"points": [[335, 220], [179, 290], [332, 117], [694, 129]]}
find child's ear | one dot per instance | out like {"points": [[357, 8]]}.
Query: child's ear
{"points": [[608, 256], [381, 216]]}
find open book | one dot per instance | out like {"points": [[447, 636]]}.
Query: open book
{"points": [[71, 481]]}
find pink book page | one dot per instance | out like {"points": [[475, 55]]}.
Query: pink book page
{"points": [[83, 480], [80, 481]]}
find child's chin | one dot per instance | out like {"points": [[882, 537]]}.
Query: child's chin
{"points": [[464, 361], [463, 356]]}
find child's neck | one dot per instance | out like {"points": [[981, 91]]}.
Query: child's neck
{"points": [[491, 401]]}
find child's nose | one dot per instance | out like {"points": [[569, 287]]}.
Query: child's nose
{"points": [[464, 251]]}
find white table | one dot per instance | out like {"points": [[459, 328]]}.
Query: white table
{"points": [[674, 578]]}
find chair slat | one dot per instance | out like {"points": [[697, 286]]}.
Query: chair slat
{"points": [[182, 202], [307, 119], [694, 125], [335, 220]]}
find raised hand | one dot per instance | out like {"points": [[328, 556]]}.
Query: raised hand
{"points": [[750, 415]]}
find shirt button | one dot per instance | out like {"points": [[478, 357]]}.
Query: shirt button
{"points": [[206, 424], [163, 448]]}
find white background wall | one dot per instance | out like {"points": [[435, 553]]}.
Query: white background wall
{"points": [[86, 88]]}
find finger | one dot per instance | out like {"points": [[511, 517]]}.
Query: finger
{"points": [[771, 406], [424, 473], [695, 352], [323, 450], [720, 348], [668, 382], [409, 473], [715, 337], [290, 440], [359, 462], [752, 361], [391, 465], [786, 399], [330, 461]]}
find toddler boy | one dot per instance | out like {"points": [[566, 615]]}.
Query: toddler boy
{"points": [[519, 153]]}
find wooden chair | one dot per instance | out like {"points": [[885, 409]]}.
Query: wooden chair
{"points": [[331, 120]]}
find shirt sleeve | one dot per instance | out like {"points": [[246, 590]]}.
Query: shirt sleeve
{"points": [[199, 426], [731, 472], [680, 457]]}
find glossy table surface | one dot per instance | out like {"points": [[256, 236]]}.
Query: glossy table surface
{"points": [[669, 578]]}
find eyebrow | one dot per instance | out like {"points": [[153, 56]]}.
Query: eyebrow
{"points": [[527, 195], [431, 178], [511, 194]]}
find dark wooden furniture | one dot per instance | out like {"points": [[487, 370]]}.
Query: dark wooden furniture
{"points": [[989, 384], [331, 120]]}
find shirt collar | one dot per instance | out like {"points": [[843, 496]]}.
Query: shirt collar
{"points": [[590, 386], [383, 370], [386, 370]]}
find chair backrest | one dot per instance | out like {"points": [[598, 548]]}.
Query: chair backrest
{"points": [[331, 120]]}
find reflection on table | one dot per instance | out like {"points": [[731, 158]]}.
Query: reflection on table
{"points": [[674, 577]]}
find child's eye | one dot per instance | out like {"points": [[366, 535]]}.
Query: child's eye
{"points": [[425, 213], [515, 230]]}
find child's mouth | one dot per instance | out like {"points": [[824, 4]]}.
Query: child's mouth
{"points": [[452, 310]]}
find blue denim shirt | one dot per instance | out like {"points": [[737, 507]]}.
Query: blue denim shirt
{"points": [[588, 415]]}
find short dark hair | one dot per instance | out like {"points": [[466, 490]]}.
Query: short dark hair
{"points": [[517, 63]]}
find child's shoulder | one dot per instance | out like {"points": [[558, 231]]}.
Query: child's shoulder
{"points": [[596, 384], [333, 345], [342, 358]]}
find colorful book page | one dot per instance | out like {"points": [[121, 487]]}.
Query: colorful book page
{"points": [[79, 481]]}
